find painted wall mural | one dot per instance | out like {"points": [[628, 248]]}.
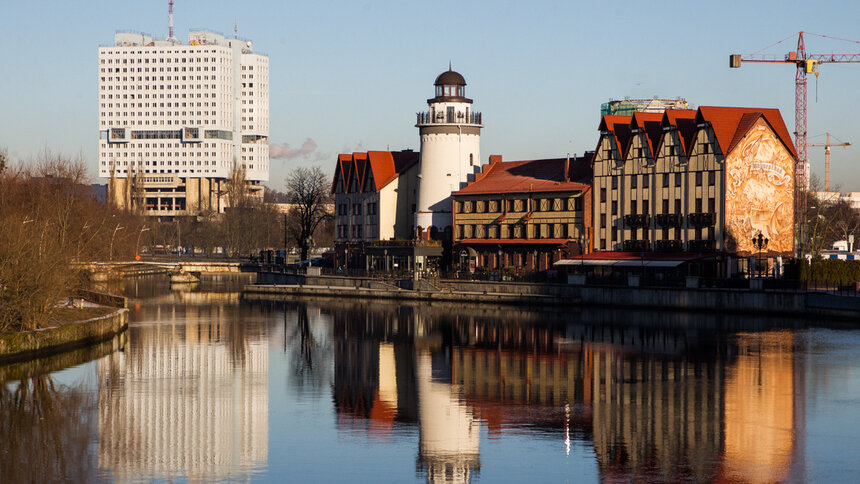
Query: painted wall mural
{"points": [[760, 181]]}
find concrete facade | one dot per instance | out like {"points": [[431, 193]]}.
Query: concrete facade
{"points": [[176, 119]]}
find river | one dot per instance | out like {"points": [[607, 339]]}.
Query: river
{"points": [[206, 386]]}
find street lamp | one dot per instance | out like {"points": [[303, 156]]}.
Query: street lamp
{"points": [[137, 245], [117, 229], [759, 242]]}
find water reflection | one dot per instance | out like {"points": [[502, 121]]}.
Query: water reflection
{"points": [[45, 424], [189, 397], [493, 392], [656, 402]]}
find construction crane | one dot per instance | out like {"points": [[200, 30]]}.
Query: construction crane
{"points": [[806, 64], [827, 146]]}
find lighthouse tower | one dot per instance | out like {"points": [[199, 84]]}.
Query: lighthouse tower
{"points": [[450, 153]]}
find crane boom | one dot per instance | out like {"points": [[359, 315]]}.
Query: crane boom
{"points": [[806, 64]]}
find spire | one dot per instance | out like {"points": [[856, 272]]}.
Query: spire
{"points": [[449, 66]]}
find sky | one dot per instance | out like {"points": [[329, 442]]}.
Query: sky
{"points": [[350, 75]]}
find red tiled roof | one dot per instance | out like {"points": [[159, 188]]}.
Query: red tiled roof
{"points": [[652, 125], [525, 176], [516, 241], [383, 166], [685, 121], [620, 128], [727, 124]]}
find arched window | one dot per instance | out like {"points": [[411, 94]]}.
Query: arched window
{"points": [[471, 159]]}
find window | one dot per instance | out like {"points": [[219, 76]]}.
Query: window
{"points": [[633, 206], [646, 181], [706, 148], [665, 206], [677, 179], [614, 207], [712, 178], [645, 206], [603, 220], [698, 205], [603, 195], [666, 180], [678, 206], [614, 182], [712, 205], [634, 180]]}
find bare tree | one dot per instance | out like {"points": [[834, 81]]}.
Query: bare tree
{"points": [[308, 191]]}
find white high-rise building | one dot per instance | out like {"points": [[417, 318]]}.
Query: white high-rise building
{"points": [[174, 120], [450, 152]]}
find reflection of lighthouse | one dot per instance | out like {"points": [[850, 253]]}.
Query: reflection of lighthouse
{"points": [[450, 152], [450, 435]]}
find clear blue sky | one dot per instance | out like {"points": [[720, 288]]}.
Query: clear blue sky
{"points": [[350, 75]]}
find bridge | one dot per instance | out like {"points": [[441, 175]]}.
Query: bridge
{"points": [[104, 271]]}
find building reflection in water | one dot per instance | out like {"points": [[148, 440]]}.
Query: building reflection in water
{"points": [[656, 401], [188, 398]]}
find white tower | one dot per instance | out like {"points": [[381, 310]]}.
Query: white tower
{"points": [[450, 153]]}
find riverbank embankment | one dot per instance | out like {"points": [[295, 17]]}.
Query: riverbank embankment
{"points": [[27, 345], [788, 303]]}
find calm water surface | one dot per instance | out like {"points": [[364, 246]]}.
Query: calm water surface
{"points": [[206, 387]]}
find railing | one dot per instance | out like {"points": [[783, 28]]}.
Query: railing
{"points": [[701, 245], [637, 220], [667, 245], [443, 118], [702, 219], [635, 245], [669, 219]]}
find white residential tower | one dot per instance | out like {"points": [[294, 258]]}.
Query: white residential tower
{"points": [[174, 120]]}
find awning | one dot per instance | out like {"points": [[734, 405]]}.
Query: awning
{"points": [[619, 263]]}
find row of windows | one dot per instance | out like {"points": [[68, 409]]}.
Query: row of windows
{"points": [[636, 205], [370, 208], [520, 205], [513, 231], [155, 60], [160, 105], [162, 96]]}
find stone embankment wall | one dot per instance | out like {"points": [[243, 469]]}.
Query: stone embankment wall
{"points": [[694, 299], [41, 342]]}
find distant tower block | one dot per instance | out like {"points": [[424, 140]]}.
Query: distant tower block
{"points": [[450, 153]]}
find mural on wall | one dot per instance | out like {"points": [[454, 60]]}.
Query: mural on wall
{"points": [[760, 192]]}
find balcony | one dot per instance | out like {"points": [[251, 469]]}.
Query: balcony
{"points": [[669, 220], [637, 220], [668, 246], [701, 245], [702, 219], [635, 246], [443, 118]]}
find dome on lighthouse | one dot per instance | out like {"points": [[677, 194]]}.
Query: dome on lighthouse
{"points": [[450, 78], [450, 86]]}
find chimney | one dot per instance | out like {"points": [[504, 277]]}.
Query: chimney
{"points": [[566, 173], [495, 159]]}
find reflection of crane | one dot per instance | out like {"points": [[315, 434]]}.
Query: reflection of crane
{"points": [[827, 146], [806, 64]]}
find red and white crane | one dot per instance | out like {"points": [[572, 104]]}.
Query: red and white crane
{"points": [[806, 64]]}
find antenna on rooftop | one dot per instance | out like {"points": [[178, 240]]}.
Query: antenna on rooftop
{"points": [[170, 37], [235, 30]]}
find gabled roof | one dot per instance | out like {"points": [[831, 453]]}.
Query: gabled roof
{"points": [[548, 175], [730, 123], [652, 125], [685, 121], [382, 166], [619, 126]]}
